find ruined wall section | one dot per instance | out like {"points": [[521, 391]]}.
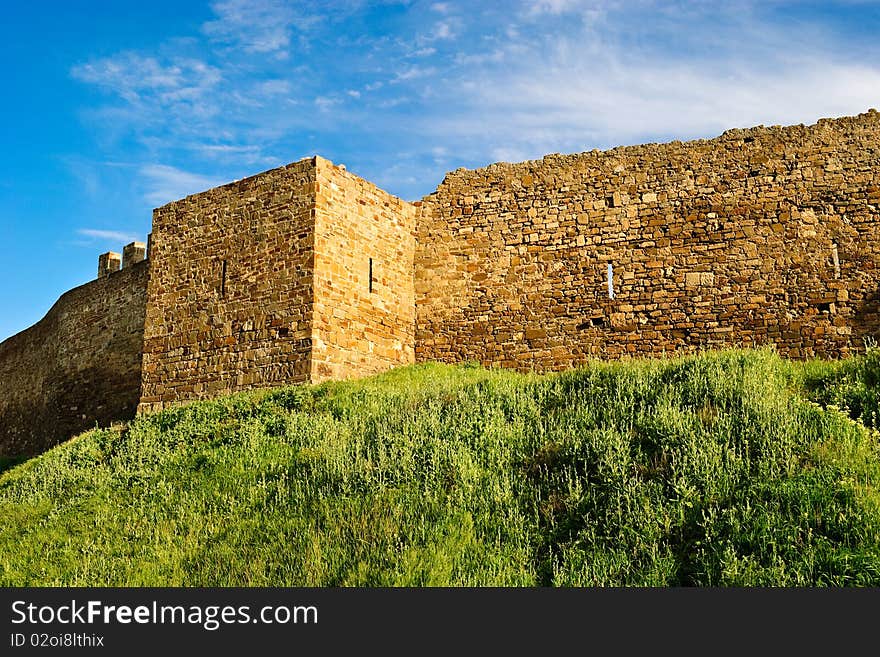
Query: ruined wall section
{"points": [[364, 312], [230, 299], [77, 367], [760, 235]]}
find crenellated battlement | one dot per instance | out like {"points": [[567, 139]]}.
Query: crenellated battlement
{"points": [[133, 253], [108, 263], [111, 261]]}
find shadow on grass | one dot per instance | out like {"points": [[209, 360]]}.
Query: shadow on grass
{"points": [[7, 462]]}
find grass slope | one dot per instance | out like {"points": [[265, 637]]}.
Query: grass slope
{"points": [[715, 469]]}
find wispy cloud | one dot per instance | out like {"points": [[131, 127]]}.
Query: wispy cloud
{"points": [[257, 26], [443, 30], [230, 149], [274, 87], [325, 103], [624, 75], [557, 7], [382, 90], [119, 236], [414, 72], [135, 77], [620, 97], [166, 183]]}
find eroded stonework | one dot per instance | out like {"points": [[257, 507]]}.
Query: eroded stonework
{"points": [[767, 235]]}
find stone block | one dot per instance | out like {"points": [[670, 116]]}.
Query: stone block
{"points": [[108, 263], [133, 253]]}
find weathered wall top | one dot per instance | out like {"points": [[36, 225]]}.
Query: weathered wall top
{"points": [[825, 130]]}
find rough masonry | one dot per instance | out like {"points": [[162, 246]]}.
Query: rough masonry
{"points": [[78, 367], [308, 273], [766, 235]]}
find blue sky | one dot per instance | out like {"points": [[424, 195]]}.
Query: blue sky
{"points": [[114, 108]]}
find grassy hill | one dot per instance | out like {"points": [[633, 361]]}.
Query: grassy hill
{"points": [[727, 468]]}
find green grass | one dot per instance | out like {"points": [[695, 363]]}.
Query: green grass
{"points": [[728, 468]]}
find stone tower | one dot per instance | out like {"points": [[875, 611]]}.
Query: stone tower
{"points": [[301, 273]]}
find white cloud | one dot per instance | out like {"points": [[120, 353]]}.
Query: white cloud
{"points": [[392, 102], [227, 148], [325, 103], [413, 72], [479, 59], [581, 96], [176, 95], [506, 154], [257, 26], [663, 76], [274, 88], [591, 10], [482, 81], [109, 235], [239, 156], [132, 76], [182, 102], [443, 30], [166, 183], [446, 29]]}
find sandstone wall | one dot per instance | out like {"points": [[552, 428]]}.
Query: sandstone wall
{"points": [[77, 367], [361, 327], [760, 235], [230, 299]]}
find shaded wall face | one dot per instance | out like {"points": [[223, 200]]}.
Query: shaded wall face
{"points": [[759, 236], [77, 367], [229, 302], [364, 306]]}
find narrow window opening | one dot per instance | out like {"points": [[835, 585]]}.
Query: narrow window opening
{"points": [[610, 281], [824, 307], [371, 275], [223, 279], [835, 260], [283, 332]]}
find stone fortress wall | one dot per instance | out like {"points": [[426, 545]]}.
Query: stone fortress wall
{"points": [[310, 273], [78, 366], [765, 235]]}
